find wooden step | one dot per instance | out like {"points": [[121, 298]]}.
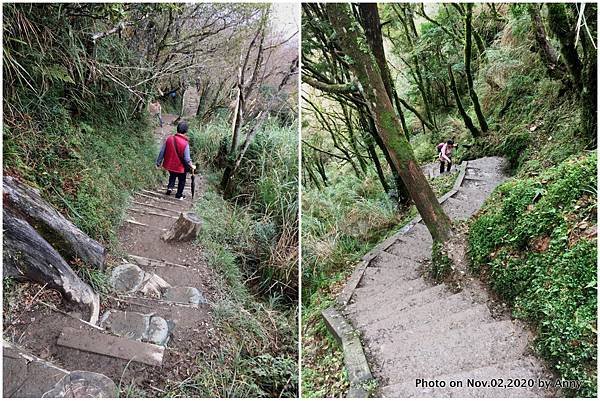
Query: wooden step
{"points": [[106, 344]]}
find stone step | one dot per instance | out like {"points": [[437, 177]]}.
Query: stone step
{"points": [[378, 293], [434, 324], [417, 316], [488, 164], [456, 350], [366, 314], [406, 270], [461, 209], [129, 278], [184, 295], [526, 371], [137, 326], [111, 345], [411, 248], [182, 318]]}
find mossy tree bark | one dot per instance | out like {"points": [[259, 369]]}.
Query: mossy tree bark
{"points": [[364, 66], [468, 44], [546, 51], [564, 32]]}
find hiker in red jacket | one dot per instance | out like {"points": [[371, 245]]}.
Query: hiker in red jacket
{"points": [[445, 154], [175, 158]]}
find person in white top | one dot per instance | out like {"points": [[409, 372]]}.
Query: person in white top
{"points": [[445, 154]]}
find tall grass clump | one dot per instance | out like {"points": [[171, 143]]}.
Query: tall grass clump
{"points": [[244, 239], [266, 191]]}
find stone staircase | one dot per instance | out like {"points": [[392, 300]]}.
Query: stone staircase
{"points": [[155, 321], [415, 330]]}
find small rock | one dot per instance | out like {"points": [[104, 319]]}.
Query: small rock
{"points": [[130, 325], [126, 278], [184, 295], [158, 331]]}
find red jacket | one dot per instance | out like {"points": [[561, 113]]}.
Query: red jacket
{"points": [[172, 158]]}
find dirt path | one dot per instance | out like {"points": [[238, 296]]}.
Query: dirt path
{"points": [[176, 319], [413, 329]]}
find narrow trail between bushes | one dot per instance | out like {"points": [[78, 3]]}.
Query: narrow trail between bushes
{"points": [[413, 329], [155, 323]]}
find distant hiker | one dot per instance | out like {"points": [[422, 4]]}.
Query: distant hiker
{"points": [[445, 154], [175, 158], [155, 111]]}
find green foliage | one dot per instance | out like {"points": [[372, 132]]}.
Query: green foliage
{"points": [[533, 243], [257, 333], [266, 203], [68, 129]]}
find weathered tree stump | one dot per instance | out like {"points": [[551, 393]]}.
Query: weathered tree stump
{"points": [[185, 228], [27, 255], [27, 204]]}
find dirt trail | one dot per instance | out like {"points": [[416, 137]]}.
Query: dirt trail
{"points": [[413, 329], [186, 329]]}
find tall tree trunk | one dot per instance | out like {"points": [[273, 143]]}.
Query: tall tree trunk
{"points": [[459, 105], [468, 43], [388, 125], [565, 33], [546, 50]]}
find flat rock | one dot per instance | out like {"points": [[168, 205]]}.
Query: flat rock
{"points": [[130, 325], [26, 376], [137, 326], [184, 295], [158, 331], [81, 384], [127, 278]]}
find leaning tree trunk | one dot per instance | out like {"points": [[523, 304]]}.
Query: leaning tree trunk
{"points": [[70, 241], [472, 93], [364, 66], [185, 228], [27, 255]]}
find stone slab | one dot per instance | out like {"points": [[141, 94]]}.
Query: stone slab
{"points": [[354, 356], [105, 344]]}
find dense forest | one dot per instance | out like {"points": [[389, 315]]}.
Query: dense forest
{"points": [[77, 82], [382, 86]]}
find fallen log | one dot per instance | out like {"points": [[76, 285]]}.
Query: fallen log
{"points": [[26, 255], [63, 235], [185, 228]]}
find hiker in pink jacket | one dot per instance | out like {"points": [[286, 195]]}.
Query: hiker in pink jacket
{"points": [[445, 154]]}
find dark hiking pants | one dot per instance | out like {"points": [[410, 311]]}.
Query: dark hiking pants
{"points": [[180, 183], [449, 164]]}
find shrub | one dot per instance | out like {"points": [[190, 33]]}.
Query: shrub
{"points": [[533, 242]]}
